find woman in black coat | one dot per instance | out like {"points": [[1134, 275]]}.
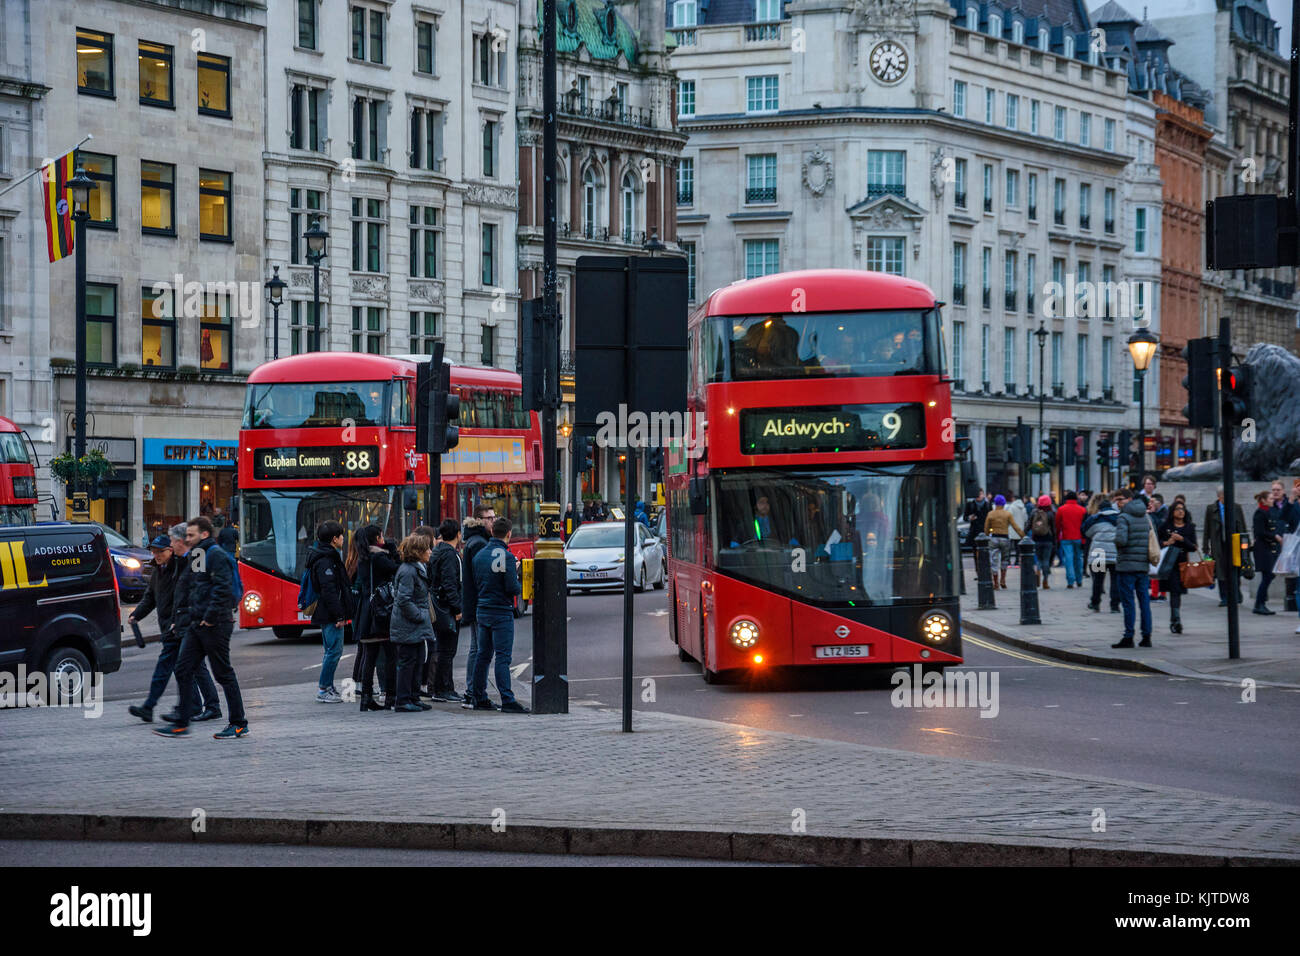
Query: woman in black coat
{"points": [[372, 564], [1179, 532]]}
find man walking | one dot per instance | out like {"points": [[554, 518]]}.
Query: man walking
{"points": [[497, 576], [168, 560], [1215, 520], [1069, 529], [478, 531], [205, 602], [445, 589], [333, 605], [1132, 534]]}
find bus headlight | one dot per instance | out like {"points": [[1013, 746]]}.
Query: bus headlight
{"points": [[744, 633], [936, 627], [252, 602]]}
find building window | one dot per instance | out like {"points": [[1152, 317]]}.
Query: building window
{"points": [[1031, 194], [424, 332], [489, 341], [369, 129], [1107, 385], [307, 117], [1018, 31], [629, 206], [958, 350], [760, 178], [1081, 365], [1109, 136], [685, 181], [215, 345], [155, 74], [101, 324], [959, 273], [94, 62], [426, 138], [1058, 347], [1069, 46], [1140, 300], [1106, 291], [959, 183], [300, 326], [157, 329], [300, 217], [1013, 111], [1029, 361], [1009, 360], [762, 257], [1140, 229], [762, 94], [1058, 202], [424, 242], [1031, 280], [767, 10], [984, 354], [157, 198], [959, 99], [1108, 211], [885, 254], [1085, 129], [989, 97], [103, 198], [214, 85], [1013, 187], [986, 278], [1010, 280], [1083, 276], [368, 223], [307, 24], [376, 36], [689, 249], [1058, 124], [489, 257], [1085, 206], [1033, 117], [426, 36], [490, 149], [368, 330], [214, 205], [686, 98], [490, 65], [684, 13], [886, 173], [988, 187], [590, 202]]}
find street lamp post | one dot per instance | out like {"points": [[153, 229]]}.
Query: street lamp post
{"points": [[275, 295], [1041, 335], [1142, 347], [316, 238], [81, 187]]}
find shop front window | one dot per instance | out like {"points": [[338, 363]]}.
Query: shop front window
{"points": [[216, 488], [164, 500]]}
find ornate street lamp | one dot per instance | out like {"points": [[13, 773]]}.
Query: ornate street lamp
{"points": [[316, 240], [1142, 347], [275, 287]]}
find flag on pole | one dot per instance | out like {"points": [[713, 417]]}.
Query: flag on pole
{"points": [[58, 208]]}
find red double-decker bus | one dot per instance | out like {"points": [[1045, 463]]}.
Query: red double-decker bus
{"points": [[813, 524], [331, 436], [17, 477]]}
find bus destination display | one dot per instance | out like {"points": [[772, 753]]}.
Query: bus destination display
{"points": [[346, 461], [791, 431]]}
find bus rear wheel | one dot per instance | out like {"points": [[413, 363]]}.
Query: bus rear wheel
{"points": [[287, 632], [683, 656]]}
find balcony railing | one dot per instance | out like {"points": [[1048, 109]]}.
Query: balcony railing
{"points": [[876, 190], [959, 385], [986, 298], [1083, 393], [1009, 387], [685, 37], [589, 231], [685, 196], [1058, 217], [756, 32], [1276, 289], [1085, 222], [606, 111], [1058, 389], [755, 194], [1109, 225], [958, 294], [960, 199], [1009, 300]]}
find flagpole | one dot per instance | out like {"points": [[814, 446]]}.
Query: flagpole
{"points": [[18, 182]]}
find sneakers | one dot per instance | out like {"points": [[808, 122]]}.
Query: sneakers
{"points": [[173, 730], [514, 707], [467, 702], [448, 697], [484, 704], [231, 732], [207, 713], [328, 695], [408, 709], [146, 713]]}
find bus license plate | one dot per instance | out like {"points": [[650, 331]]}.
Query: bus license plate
{"points": [[843, 650], [584, 575]]}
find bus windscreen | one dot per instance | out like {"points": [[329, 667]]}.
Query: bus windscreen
{"points": [[316, 404]]}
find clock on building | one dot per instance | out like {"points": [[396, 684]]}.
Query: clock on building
{"points": [[888, 61]]}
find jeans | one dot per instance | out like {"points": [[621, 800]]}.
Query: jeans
{"points": [[214, 644], [1072, 558], [496, 638], [1098, 584], [443, 679], [162, 673], [1135, 584], [473, 657], [332, 635], [410, 659], [1043, 555]]}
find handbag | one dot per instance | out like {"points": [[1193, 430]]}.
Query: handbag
{"points": [[1197, 574], [1153, 547], [1167, 564]]}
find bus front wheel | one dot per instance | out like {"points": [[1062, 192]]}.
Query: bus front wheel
{"points": [[683, 656], [287, 632], [710, 677]]}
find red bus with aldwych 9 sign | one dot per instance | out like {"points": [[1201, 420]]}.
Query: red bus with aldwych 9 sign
{"points": [[813, 522], [17, 477], [331, 436]]}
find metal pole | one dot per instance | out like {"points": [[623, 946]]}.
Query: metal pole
{"points": [[315, 297], [1229, 501], [275, 313], [1142, 426], [79, 438], [629, 534], [1042, 388]]}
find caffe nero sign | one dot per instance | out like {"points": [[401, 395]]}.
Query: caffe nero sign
{"points": [[773, 431]]}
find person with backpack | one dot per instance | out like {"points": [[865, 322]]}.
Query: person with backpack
{"points": [[329, 580], [206, 596], [1099, 530], [445, 583], [1042, 529], [477, 534], [1133, 533], [372, 565], [496, 573], [410, 626]]}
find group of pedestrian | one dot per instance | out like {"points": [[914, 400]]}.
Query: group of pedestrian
{"points": [[194, 588]]}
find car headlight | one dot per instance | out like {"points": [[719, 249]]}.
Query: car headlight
{"points": [[936, 627], [619, 559], [252, 602], [127, 562], [744, 634]]}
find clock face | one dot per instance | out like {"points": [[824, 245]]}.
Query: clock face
{"points": [[888, 61]]}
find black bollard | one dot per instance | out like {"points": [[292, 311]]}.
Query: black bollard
{"points": [[1288, 602], [1028, 583], [984, 574]]}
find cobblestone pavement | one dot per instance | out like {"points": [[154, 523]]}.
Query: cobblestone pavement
{"points": [[1270, 648], [304, 759]]}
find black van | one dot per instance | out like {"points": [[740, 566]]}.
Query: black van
{"points": [[58, 602]]}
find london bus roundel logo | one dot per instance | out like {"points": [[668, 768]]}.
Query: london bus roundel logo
{"points": [[842, 631]]}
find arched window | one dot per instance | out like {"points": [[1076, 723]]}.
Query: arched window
{"points": [[1069, 46], [1018, 31], [629, 206], [995, 25], [1044, 39], [972, 18], [590, 202]]}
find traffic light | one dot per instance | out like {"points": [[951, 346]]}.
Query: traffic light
{"points": [[1080, 447], [1050, 454], [437, 408], [446, 412], [582, 452], [654, 463], [1103, 453], [1069, 446], [1013, 449], [1024, 443], [1237, 396], [1200, 382], [1125, 443]]}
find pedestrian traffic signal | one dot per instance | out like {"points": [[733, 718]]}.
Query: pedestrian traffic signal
{"points": [[1051, 456], [1125, 445], [1237, 404], [582, 452], [1200, 382], [1103, 453]]}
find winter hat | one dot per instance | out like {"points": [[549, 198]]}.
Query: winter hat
{"points": [[999, 501], [1044, 501]]}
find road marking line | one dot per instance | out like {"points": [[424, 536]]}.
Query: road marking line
{"points": [[1051, 705], [1051, 663], [580, 680], [858, 713], [952, 733]]}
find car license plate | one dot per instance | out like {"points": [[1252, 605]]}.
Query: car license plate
{"points": [[584, 575], [843, 650]]}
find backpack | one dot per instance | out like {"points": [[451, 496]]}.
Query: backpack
{"points": [[238, 582], [1040, 525], [307, 596]]}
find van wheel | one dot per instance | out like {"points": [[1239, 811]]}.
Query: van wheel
{"points": [[68, 670], [287, 632]]}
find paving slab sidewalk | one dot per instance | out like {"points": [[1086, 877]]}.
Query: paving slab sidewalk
{"points": [[423, 776], [1270, 648]]}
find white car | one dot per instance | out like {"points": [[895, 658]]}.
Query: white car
{"points": [[594, 557]]}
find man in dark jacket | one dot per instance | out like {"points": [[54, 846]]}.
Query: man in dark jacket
{"points": [[161, 595], [976, 511], [1268, 528], [478, 531], [333, 605], [1132, 534], [445, 587], [1214, 522], [497, 576], [204, 617]]}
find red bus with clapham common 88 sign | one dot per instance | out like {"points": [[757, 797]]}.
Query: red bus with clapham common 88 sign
{"points": [[813, 523], [331, 436]]}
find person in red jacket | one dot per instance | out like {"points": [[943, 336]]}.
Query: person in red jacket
{"points": [[1069, 534]]}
